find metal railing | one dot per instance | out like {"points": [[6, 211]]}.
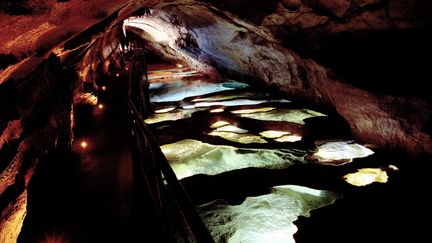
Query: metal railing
{"points": [[158, 180]]}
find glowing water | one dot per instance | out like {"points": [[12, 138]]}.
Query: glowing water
{"points": [[285, 115], [244, 138], [169, 116], [288, 138], [341, 150], [237, 95], [266, 218], [273, 133], [366, 176], [256, 110], [218, 110], [190, 157], [231, 128], [235, 102], [219, 124], [178, 90], [165, 110]]}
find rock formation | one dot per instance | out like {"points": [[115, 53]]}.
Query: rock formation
{"points": [[209, 39], [38, 121]]}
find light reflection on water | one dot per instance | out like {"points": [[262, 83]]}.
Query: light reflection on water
{"points": [[366, 176], [190, 157], [180, 89], [265, 218], [341, 151], [169, 116], [284, 115]]}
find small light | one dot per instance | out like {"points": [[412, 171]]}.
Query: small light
{"points": [[179, 65], [126, 68], [55, 237], [104, 88], [100, 106], [117, 75], [83, 144]]}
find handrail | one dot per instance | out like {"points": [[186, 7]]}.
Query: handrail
{"points": [[159, 166]]}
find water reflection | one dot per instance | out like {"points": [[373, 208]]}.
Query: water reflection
{"points": [[366, 176], [238, 138], [190, 157], [262, 130], [266, 218], [169, 116], [284, 115], [180, 89], [340, 152]]}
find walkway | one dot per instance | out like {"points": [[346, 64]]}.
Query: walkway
{"points": [[87, 195]]}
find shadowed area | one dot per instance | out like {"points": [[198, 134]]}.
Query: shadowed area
{"points": [[86, 195]]}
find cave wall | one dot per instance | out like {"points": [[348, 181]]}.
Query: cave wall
{"points": [[37, 95], [377, 45], [209, 39], [40, 105]]}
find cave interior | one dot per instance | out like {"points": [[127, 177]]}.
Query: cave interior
{"points": [[215, 121]]}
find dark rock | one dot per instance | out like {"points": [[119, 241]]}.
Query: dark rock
{"points": [[251, 10], [42, 114], [291, 4], [336, 7], [365, 45], [6, 60]]}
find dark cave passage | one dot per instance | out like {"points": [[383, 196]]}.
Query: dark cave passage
{"points": [[87, 194]]}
